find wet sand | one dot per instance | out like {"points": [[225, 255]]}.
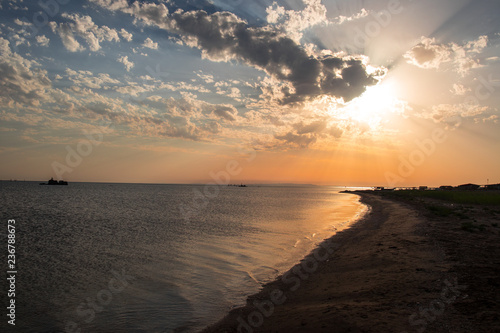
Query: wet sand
{"points": [[398, 269]]}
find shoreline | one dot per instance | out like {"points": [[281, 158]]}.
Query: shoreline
{"points": [[386, 272]]}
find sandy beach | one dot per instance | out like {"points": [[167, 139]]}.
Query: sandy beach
{"points": [[399, 269]]}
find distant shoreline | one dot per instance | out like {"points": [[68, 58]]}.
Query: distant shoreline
{"points": [[397, 260], [177, 184]]}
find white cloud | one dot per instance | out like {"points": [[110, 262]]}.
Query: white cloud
{"points": [[42, 40], [341, 19], [183, 86], [21, 23], [112, 4], [429, 54], [149, 13], [83, 26], [459, 89], [19, 37], [21, 79], [88, 79], [294, 22], [150, 44], [186, 117], [453, 113], [67, 37], [232, 92], [208, 78], [134, 89], [477, 46], [128, 64], [126, 35], [492, 118]]}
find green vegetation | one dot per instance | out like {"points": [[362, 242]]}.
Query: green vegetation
{"points": [[440, 210], [468, 208], [445, 211], [459, 197]]}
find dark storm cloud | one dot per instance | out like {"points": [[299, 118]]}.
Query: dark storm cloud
{"points": [[222, 36]]}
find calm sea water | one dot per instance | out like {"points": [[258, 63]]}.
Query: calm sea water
{"points": [[121, 257]]}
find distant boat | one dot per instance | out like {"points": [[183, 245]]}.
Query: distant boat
{"points": [[55, 182]]}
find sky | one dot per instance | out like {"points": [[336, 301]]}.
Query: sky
{"points": [[339, 92]]}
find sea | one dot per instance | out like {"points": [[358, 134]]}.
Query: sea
{"points": [[97, 257]]}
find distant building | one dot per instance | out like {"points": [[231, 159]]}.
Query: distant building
{"points": [[446, 187], [468, 187], [493, 187], [423, 188]]}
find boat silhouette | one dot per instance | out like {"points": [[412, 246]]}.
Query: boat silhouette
{"points": [[55, 182]]}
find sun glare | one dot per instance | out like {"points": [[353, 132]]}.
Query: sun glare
{"points": [[373, 105]]}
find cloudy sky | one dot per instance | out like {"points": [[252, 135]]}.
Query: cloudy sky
{"points": [[345, 92]]}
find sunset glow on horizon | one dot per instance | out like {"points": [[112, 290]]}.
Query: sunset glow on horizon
{"points": [[381, 93]]}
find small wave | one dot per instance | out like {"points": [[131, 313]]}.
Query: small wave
{"points": [[271, 268], [250, 275]]}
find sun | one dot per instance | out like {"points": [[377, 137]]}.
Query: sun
{"points": [[373, 105]]}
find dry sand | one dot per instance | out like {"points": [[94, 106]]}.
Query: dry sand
{"points": [[396, 270]]}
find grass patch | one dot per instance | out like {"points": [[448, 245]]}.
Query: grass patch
{"points": [[440, 210], [454, 196]]}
